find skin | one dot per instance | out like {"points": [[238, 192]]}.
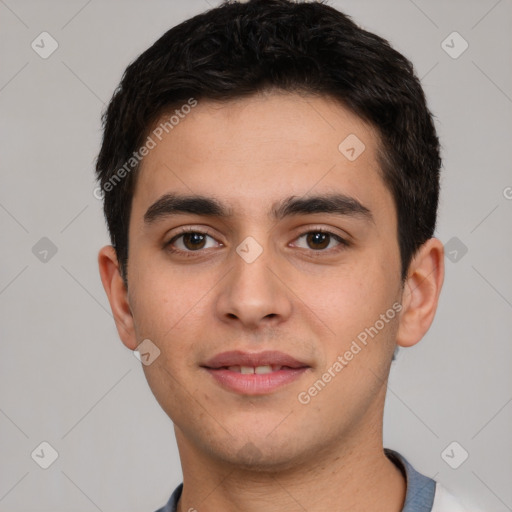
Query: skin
{"points": [[271, 452]]}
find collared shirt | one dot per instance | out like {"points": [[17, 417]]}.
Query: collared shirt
{"points": [[423, 494]]}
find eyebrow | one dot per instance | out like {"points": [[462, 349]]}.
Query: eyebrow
{"points": [[174, 204]]}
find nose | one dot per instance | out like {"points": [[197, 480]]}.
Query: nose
{"points": [[254, 292]]}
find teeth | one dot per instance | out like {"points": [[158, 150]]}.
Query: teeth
{"points": [[258, 369], [263, 369]]}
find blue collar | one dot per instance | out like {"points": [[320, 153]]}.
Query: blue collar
{"points": [[418, 498], [421, 489]]}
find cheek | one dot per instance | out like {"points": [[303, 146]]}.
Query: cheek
{"points": [[169, 314], [357, 319], [164, 299], [348, 296]]}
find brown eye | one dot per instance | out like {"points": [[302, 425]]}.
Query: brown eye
{"points": [[189, 241], [194, 241], [319, 240]]}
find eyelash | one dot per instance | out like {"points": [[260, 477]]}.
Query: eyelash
{"points": [[183, 231]]}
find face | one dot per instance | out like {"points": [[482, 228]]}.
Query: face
{"points": [[315, 280]]}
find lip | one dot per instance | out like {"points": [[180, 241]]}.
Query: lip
{"points": [[240, 358], [254, 384]]}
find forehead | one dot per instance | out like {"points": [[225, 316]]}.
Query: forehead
{"points": [[251, 152]]}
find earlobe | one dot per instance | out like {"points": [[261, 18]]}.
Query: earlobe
{"points": [[421, 293], [117, 295]]}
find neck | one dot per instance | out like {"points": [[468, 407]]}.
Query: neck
{"points": [[354, 476]]}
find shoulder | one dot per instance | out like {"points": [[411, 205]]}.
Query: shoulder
{"points": [[444, 501]]}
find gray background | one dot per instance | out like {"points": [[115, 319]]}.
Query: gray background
{"points": [[65, 376]]}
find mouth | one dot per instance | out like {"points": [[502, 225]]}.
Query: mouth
{"points": [[259, 370], [254, 373]]}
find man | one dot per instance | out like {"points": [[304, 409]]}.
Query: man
{"points": [[270, 175]]}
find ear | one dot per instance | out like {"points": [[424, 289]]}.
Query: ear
{"points": [[421, 292], [117, 295]]}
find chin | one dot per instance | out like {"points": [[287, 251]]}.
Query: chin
{"points": [[262, 453]]}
